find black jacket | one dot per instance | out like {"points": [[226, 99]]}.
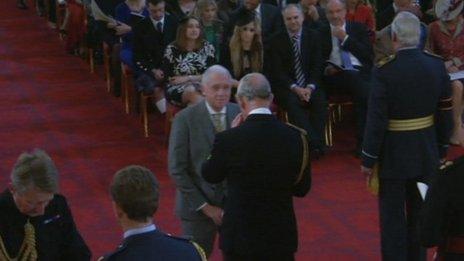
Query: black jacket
{"points": [[56, 234], [149, 44], [261, 161]]}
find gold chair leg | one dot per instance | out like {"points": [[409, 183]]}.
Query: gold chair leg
{"points": [[144, 111], [91, 61]]}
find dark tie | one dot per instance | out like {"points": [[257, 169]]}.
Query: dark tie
{"points": [[345, 56], [299, 74], [159, 27]]}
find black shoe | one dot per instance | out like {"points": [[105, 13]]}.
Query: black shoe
{"points": [[22, 5]]}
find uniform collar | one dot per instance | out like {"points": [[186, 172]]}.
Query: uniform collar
{"points": [[141, 230]]}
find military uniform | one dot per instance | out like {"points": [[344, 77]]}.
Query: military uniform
{"points": [[442, 220], [54, 233], [155, 245], [408, 126]]}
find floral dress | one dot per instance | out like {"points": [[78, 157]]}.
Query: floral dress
{"points": [[181, 63]]}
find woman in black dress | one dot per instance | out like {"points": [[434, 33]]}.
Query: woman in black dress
{"points": [[184, 62]]}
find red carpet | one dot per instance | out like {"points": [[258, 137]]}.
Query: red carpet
{"points": [[50, 100]]}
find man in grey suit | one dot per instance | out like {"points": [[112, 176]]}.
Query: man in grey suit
{"points": [[199, 203]]}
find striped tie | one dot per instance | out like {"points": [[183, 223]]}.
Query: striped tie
{"points": [[299, 74]]}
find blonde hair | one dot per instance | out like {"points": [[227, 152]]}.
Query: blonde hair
{"points": [[237, 52], [201, 6]]}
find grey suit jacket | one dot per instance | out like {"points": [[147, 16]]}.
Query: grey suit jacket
{"points": [[190, 143]]}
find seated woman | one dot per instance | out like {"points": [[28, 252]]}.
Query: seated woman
{"points": [[446, 38], [207, 10], [184, 62], [128, 14], [357, 11], [245, 54]]}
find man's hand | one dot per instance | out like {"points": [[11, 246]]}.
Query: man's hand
{"points": [[303, 93], [239, 119], [452, 69], [122, 29], [214, 213], [367, 172], [159, 74], [330, 70], [339, 32], [178, 79], [312, 12]]}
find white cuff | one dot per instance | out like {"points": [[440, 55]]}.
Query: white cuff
{"points": [[202, 206]]}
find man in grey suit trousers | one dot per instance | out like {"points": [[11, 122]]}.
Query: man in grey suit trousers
{"points": [[199, 203]]}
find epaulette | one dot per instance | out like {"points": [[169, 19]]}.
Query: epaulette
{"points": [[297, 128], [200, 251], [433, 55], [185, 239], [385, 60]]}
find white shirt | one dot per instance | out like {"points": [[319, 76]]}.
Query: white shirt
{"points": [[212, 111], [258, 12], [141, 230], [156, 22], [262, 110], [335, 55]]}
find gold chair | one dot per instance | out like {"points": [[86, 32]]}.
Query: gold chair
{"points": [[107, 65], [127, 87]]}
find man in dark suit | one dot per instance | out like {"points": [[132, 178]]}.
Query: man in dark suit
{"points": [[151, 36], [198, 203], [442, 219], [35, 221], [347, 47], [265, 163], [408, 126], [135, 194], [269, 16], [296, 72]]}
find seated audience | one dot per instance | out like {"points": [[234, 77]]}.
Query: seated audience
{"points": [[245, 52], [107, 34], [347, 47], [135, 195], [184, 62], [269, 17], [181, 8], [385, 15], [446, 39], [151, 36], [442, 219], [296, 76], [213, 28], [314, 14], [128, 14], [35, 221], [361, 13]]}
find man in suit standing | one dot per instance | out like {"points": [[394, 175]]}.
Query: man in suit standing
{"points": [[198, 203], [347, 47], [268, 15], [135, 194], [265, 163], [408, 126], [151, 36], [297, 65]]}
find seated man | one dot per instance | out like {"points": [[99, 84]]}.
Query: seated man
{"points": [[36, 222], [385, 16], [297, 66], [151, 36], [347, 48], [135, 194]]}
